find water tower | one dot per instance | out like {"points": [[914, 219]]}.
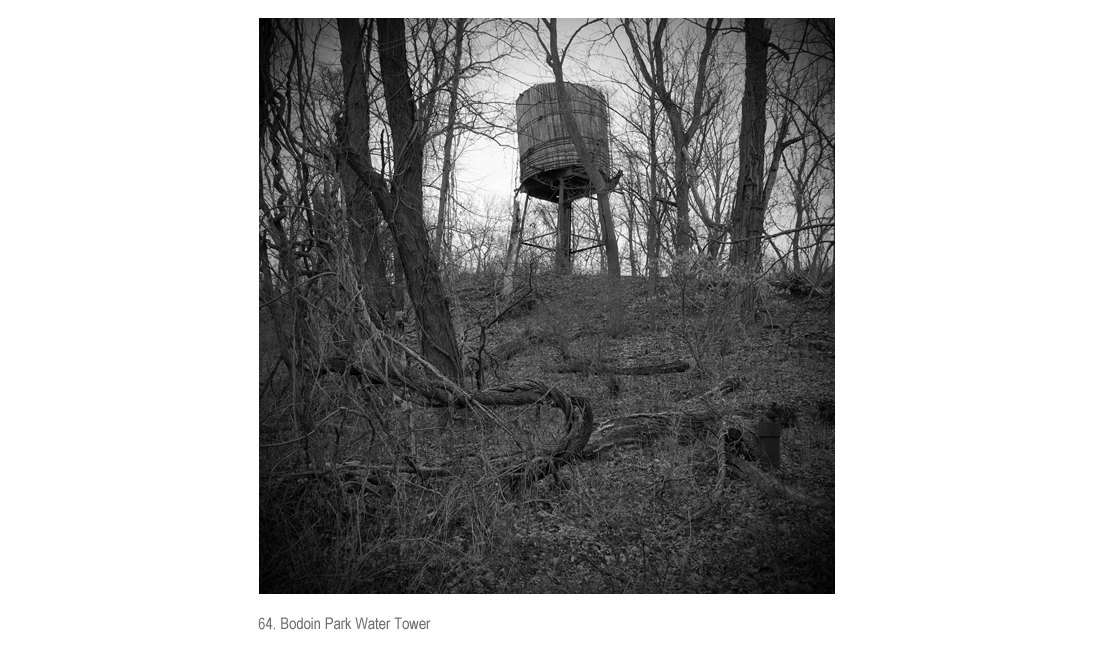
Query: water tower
{"points": [[550, 168]]}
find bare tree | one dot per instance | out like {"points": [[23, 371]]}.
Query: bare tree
{"points": [[714, 168], [295, 253], [513, 251], [809, 182], [644, 178], [449, 135], [651, 62], [808, 95], [555, 59], [362, 215], [401, 202], [653, 224], [747, 219]]}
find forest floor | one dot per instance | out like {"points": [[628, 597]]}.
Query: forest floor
{"points": [[641, 519]]}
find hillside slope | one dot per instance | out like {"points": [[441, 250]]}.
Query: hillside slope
{"points": [[662, 517]]}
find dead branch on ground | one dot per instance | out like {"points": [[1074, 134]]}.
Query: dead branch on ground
{"points": [[577, 365], [714, 412]]}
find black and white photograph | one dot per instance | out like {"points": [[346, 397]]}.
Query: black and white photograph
{"points": [[547, 326], [547, 306]]}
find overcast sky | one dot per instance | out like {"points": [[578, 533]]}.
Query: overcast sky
{"points": [[490, 167], [486, 168]]}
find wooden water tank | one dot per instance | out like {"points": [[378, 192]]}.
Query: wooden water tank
{"points": [[547, 155]]}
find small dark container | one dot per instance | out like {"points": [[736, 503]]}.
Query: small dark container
{"points": [[770, 434]]}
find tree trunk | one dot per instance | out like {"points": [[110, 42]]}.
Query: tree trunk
{"points": [[446, 167], [611, 245], [781, 144], [603, 195], [681, 136], [713, 247], [513, 252], [747, 219], [653, 226], [681, 238], [362, 216], [799, 213], [407, 226], [631, 227]]}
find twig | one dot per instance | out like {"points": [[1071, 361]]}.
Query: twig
{"points": [[314, 429]]}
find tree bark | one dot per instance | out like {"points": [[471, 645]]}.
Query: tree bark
{"points": [[781, 144], [653, 226], [512, 254], [446, 167], [747, 218], [746, 221], [631, 227], [402, 204], [603, 194], [362, 216]]}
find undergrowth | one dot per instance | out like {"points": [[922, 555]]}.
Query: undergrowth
{"points": [[385, 496]]}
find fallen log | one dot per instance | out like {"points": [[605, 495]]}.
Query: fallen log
{"points": [[368, 470], [711, 412], [773, 486], [695, 418], [579, 365], [507, 350], [510, 348]]}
